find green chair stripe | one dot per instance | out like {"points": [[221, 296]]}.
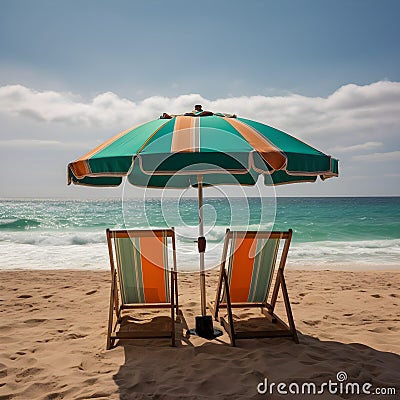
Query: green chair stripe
{"points": [[129, 270], [264, 264], [230, 263]]}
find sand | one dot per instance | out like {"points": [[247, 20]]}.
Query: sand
{"points": [[53, 335]]}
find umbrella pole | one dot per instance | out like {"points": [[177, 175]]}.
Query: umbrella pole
{"points": [[201, 245], [204, 324]]}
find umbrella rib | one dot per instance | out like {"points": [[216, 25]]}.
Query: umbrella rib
{"points": [[149, 138], [108, 142]]}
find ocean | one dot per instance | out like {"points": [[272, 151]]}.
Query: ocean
{"points": [[350, 233]]}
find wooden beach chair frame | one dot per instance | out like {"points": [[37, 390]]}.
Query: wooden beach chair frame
{"points": [[117, 306], [267, 308]]}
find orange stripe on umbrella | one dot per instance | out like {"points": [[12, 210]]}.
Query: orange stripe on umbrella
{"points": [[80, 168], [270, 153], [183, 139]]}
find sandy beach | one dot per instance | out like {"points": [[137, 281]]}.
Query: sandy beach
{"points": [[53, 336]]}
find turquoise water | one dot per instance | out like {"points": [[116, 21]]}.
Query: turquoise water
{"points": [[328, 232]]}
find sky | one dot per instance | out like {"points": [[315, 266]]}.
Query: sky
{"points": [[74, 73]]}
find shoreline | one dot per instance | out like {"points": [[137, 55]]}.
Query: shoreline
{"points": [[343, 267]]}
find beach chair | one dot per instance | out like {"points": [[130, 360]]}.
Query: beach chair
{"points": [[141, 279], [247, 280]]}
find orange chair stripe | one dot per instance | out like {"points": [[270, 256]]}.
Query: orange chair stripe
{"points": [[153, 269], [242, 269]]}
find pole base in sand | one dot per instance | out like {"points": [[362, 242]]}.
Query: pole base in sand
{"points": [[204, 328]]}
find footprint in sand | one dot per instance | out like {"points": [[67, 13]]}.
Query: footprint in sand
{"points": [[3, 371], [75, 336], [35, 321], [312, 323], [90, 381], [377, 296], [54, 396], [44, 341], [379, 329], [24, 296], [316, 357], [28, 373], [91, 292], [307, 362]]}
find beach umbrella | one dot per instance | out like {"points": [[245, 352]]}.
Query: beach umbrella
{"points": [[201, 149]]}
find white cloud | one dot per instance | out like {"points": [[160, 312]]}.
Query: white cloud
{"points": [[53, 106], [379, 157], [358, 147], [355, 118], [37, 143]]}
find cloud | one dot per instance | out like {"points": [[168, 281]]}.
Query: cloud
{"points": [[379, 157], [353, 118], [358, 147], [50, 106], [42, 144]]}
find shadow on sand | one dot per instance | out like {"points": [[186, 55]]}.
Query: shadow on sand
{"points": [[201, 369]]}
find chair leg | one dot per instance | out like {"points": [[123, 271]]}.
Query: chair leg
{"points": [[275, 291], [215, 307], [176, 296], [212, 308], [111, 315], [173, 277], [288, 308], [229, 308]]}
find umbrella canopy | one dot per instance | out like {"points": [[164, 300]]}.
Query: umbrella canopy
{"points": [[173, 152]]}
